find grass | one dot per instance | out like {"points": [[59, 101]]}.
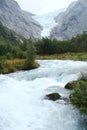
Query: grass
{"points": [[14, 65], [65, 56], [8, 66]]}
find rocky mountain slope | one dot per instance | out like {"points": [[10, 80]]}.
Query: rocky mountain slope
{"points": [[71, 22], [9, 35], [12, 16]]}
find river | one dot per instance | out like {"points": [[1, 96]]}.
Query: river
{"points": [[23, 105]]}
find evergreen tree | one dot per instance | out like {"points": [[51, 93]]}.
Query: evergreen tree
{"points": [[30, 54]]}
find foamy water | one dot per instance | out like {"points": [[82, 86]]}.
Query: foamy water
{"points": [[22, 97]]}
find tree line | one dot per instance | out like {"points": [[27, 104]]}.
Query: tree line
{"points": [[76, 44], [12, 47]]}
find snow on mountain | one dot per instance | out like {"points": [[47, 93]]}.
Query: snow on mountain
{"points": [[47, 21]]}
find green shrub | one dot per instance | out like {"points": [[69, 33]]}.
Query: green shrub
{"points": [[30, 54], [79, 96], [2, 63], [9, 55]]}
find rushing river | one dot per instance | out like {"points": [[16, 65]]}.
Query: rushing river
{"points": [[23, 105]]}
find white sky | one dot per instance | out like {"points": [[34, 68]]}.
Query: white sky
{"points": [[43, 6]]}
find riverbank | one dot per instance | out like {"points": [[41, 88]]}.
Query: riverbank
{"points": [[65, 56], [13, 65], [79, 95]]}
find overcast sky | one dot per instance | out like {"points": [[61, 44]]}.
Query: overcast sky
{"points": [[43, 6]]}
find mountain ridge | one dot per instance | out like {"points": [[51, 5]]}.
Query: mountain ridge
{"points": [[12, 16], [71, 22]]}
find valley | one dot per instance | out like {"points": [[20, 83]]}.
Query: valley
{"points": [[47, 21], [43, 68]]}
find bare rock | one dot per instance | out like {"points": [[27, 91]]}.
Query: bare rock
{"points": [[71, 22], [13, 17]]}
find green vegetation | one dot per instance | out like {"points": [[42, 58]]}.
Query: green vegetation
{"points": [[79, 96], [82, 56], [13, 46], [16, 53], [30, 55], [8, 66], [47, 46]]}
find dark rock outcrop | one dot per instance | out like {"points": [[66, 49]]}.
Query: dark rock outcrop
{"points": [[13, 17], [71, 22], [53, 96], [70, 85]]}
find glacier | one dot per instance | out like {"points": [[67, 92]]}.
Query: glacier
{"points": [[47, 21]]}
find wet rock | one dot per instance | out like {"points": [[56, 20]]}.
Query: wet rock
{"points": [[53, 96], [70, 96], [70, 85], [66, 99]]}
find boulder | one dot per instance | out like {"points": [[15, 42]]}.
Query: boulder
{"points": [[70, 85], [53, 96]]}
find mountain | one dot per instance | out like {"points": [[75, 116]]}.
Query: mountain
{"points": [[12, 16], [9, 35], [71, 22], [47, 21]]}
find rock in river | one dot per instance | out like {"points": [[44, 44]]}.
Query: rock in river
{"points": [[53, 96]]}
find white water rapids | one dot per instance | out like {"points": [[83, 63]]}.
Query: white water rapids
{"points": [[22, 98]]}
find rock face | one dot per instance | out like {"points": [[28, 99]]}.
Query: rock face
{"points": [[71, 22], [12, 16]]}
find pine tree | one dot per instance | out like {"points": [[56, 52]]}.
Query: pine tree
{"points": [[30, 56]]}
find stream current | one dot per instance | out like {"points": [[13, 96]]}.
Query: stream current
{"points": [[23, 105]]}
